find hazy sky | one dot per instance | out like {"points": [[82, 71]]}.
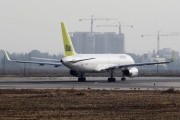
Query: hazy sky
{"points": [[26, 25]]}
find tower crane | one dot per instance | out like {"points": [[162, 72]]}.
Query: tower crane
{"points": [[119, 26], [158, 38], [92, 21], [90, 42]]}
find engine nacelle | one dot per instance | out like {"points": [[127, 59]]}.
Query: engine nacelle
{"points": [[74, 73], [131, 72]]}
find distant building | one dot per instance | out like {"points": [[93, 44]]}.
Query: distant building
{"points": [[157, 59], [80, 42], [167, 53], [148, 58], [108, 42]]}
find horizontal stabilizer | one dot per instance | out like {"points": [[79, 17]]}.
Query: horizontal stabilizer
{"points": [[75, 61]]}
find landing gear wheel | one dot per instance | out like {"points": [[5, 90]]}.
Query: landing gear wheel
{"points": [[111, 79], [82, 79], [123, 79]]}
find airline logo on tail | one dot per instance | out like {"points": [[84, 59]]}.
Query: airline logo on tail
{"points": [[68, 46]]}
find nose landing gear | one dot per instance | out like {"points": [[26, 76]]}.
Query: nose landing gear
{"points": [[123, 78]]}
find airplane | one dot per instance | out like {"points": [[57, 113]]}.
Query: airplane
{"points": [[79, 64]]}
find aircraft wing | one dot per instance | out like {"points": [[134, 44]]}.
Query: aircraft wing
{"points": [[137, 64], [140, 64], [56, 60], [56, 64]]}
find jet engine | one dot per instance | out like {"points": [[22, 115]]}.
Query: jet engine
{"points": [[74, 73], [131, 72]]}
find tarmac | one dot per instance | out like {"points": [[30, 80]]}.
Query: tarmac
{"points": [[137, 83]]}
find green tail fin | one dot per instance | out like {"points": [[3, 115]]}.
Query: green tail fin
{"points": [[68, 46]]}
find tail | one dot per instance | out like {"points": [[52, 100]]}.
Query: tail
{"points": [[68, 46]]}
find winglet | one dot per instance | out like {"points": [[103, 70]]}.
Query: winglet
{"points": [[7, 56], [172, 59]]}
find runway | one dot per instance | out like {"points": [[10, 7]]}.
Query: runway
{"points": [[138, 83]]}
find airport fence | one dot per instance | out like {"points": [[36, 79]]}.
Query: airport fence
{"points": [[65, 73], [34, 73]]}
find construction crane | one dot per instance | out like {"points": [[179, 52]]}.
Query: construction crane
{"points": [[92, 21], [158, 38], [90, 42], [119, 26]]}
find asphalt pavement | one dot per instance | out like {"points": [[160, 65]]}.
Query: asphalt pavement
{"points": [[137, 83]]}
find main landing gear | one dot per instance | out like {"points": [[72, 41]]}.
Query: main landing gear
{"points": [[111, 79], [82, 78]]}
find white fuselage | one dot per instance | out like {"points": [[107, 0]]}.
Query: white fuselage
{"points": [[98, 63]]}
